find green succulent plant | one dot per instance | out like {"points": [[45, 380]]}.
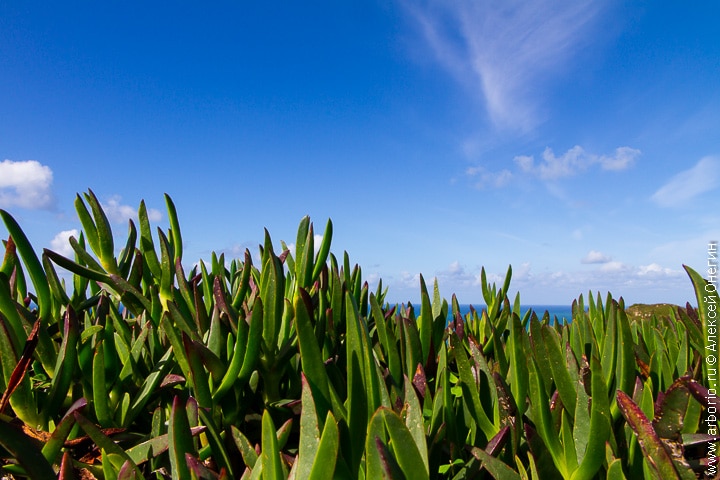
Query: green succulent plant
{"points": [[294, 368]]}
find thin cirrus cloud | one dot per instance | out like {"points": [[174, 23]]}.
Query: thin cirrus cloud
{"points": [[25, 184], [688, 184], [503, 51]]}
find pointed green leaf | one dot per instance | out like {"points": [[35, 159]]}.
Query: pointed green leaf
{"points": [[322, 255], [403, 446], [561, 375], [470, 389], [310, 354], [414, 422], [327, 451], [103, 441], [600, 425], [497, 468], [34, 268], [180, 440], [270, 455]]}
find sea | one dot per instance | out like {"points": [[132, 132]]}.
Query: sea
{"points": [[561, 312]]}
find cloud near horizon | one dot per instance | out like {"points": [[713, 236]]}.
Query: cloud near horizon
{"points": [[503, 51], [688, 184], [25, 184], [612, 276]]}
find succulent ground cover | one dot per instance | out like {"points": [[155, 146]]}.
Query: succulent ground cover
{"points": [[292, 366]]}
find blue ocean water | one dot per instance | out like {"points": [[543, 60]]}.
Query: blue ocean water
{"points": [[559, 311]]}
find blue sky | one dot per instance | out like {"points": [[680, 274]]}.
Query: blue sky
{"points": [[576, 141]]}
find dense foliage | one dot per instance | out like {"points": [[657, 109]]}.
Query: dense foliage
{"points": [[293, 367]]}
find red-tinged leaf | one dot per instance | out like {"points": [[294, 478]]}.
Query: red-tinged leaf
{"points": [[420, 381], [66, 467], [198, 469], [459, 325], [653, 448], [127, 472], [171, 380], [390, 468], [670, 410], [698, 438], [21, 368], [52, 448], [496, 443], [699, 391], [497, 468]]}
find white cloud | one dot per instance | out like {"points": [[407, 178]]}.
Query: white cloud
{"points": [[636, 284], [624, 158], [455, 274], [655, 270], [594, 256], [574, 161], [553, 167], [119, 213], [61, 242], [686, 185], [409, 280], [613, 266], [25, 184], [503, 50], [492, 179]]}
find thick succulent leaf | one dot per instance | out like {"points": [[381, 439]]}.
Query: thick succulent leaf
{"points": [[497, 468], [180, 440], [103, 441], [600, 425], [653, 448], [311, 355], [270, 455], [670, 413], [327, 451]]}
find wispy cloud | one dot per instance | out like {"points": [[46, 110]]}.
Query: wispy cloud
{"points": [[686, 185], [554, 167], [25, 184], [574, 161], [119, 213], [504, 50], [484, 179]]}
